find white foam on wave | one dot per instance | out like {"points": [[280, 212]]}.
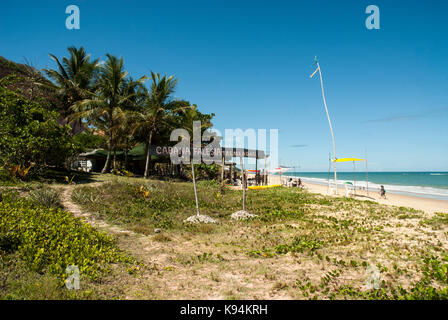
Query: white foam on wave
{"points": [[431, 192]]}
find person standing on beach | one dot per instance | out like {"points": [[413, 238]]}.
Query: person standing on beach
{"points": [[382, 192]]}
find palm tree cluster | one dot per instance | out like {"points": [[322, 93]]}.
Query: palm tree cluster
{"points": [[102, 95]]}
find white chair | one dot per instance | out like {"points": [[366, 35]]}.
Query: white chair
{"points": [[348, 190]]}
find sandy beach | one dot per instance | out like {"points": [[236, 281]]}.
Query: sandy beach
{"points": [[418, 203]]}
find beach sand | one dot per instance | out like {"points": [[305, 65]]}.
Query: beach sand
{"points": [[418, 203]]}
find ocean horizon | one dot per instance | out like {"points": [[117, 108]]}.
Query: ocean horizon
{"points": [[429, 184]]}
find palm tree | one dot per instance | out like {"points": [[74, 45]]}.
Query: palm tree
{"points": [[154, 113], [107, 108], [73, 80]]}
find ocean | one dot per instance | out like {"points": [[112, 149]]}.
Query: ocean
{"points": [[424, 184]]}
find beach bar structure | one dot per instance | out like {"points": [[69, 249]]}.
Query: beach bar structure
{"points": [[161, 154], [225, 155]]}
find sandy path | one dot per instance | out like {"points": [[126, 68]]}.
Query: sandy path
{"points": [[70, 206]]}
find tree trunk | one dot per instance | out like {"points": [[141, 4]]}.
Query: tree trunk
{"points": [[106, 165], [109, 150], [126, 159], [194, 186], [115, 159], [148, 156]]}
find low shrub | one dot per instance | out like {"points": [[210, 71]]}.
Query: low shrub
{"points": [[50, 240], [47, 197], [299, 245]]}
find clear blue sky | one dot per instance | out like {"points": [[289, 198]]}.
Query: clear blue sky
{"points": [[249, 62]]}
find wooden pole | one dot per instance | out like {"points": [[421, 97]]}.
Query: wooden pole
{"points": [[329, 168], [331, 127], [194, 185], [256, 170], [297, 176], [265, 172], [367, 174], [223, 167], [243, 183]]}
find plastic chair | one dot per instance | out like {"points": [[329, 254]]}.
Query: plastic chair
{"points": [[348, 190]]}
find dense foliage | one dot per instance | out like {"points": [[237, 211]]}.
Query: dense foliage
{"points": [[117, 111], [30, 134], [50, 240]]}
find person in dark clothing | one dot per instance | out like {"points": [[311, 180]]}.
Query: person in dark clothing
{"points": [[383, 192]]}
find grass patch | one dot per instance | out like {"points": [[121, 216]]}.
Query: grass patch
{"points": [[438, 221], [167, 204], [320, 247], [46, 196], [299, 244]]}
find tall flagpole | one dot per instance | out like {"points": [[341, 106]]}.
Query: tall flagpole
{"points": [[329, 121]]}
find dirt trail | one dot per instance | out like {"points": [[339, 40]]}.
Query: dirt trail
{"points": [[135, 243], [157, 279], [70, 206]]}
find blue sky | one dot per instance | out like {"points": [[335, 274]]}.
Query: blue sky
{"points": [[249, 62]]}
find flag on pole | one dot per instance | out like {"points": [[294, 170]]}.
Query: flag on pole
{"points": [[314, 72], [315, 63]]}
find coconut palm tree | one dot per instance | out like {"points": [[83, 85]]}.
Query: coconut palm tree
{"points": [[73, 79], [115, 93], [155, 111]]}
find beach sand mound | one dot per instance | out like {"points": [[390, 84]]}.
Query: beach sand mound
{"points": [[200, 219], [242, 215]]}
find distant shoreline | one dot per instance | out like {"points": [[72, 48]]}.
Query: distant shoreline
{"points": [[426, 204], [429, 184]]}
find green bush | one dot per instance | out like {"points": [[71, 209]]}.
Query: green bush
{"points": [[30, 133], [50, 240]]}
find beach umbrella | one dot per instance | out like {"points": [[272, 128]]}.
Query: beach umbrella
{"points": [[279, 170], [346, 160], [354, 169]]}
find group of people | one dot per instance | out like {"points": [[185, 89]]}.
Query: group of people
{"points": [[298, 183]]}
